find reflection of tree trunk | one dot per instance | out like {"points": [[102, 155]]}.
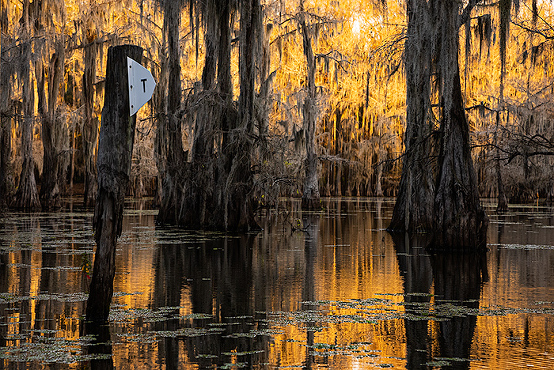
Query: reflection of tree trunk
{"points": [[458, 279], [170, 264], [4, 287], [416, 270], [47, 281], [114, 167], [308, 289], [100, 345]]}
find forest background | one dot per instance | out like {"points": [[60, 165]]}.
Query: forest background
{"points": [[52, 70]]}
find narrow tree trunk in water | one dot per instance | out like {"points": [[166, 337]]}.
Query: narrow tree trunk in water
{"points": [[5, 121], [51, 132], [90, 126], [310, 195], [5, 148], [115, 150], [502, 201], [26, 196], [413, 210], [459, 220]]}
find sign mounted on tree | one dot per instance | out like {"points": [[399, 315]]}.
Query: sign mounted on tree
{"points": [[141, 85]]}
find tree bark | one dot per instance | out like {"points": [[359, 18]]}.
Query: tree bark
{"points": [[239, 207], [26, 196], [169, 134], [90, 125], [446, 204], [502, 200], [5, 121], [219, 181], [52, 132], [5, 149], [114, 167], [310, 194], [459, 221], [414, 204]]}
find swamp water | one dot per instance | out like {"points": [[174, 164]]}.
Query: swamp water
{"points": [[337, 294]]}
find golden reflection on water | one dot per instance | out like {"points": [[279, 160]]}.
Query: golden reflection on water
{"points": [[341, 295]]}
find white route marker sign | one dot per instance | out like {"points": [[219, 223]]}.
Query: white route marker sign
{"points": [[141, 85]]}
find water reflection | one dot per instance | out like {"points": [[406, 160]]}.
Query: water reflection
{"points": [[329, 289], [445, 287]]}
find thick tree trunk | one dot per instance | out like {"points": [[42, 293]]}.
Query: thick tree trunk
{"points": [[239, 207], [114, 167], [90, 125], [51, 134], [459, 220], [169, 135], [310, 194], [414, 204], [450, 210]]}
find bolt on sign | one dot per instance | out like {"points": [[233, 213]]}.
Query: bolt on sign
{"points": [[141, 85]]}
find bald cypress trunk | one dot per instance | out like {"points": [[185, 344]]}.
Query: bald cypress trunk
{"points": [[239, 204], [310, 195], [459, 220], [5, 149], [217, 187], [90, 125], [169, 135], [52, 131], [445, 203], [26, 196], [115, 150], [5, 120], [414, 204]]}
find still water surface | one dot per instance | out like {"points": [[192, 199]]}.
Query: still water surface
{"points": [[337, 294]]}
